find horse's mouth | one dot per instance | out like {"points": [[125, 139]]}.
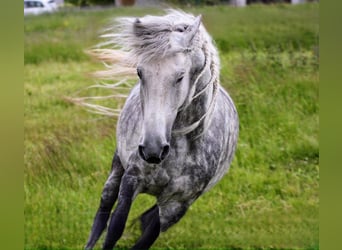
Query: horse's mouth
{"points": [[153, 160]]}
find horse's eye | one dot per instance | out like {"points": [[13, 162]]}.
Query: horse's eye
{"points": [[180, 79], [139, 72], [181, 28]]}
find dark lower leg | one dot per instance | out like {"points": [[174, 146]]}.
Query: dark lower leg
{"points": [[119, 217], [108, 198], [147, 216], [117, 224], [151, 229], [100, 223]]}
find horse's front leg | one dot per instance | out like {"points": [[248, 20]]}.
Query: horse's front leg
{"points": [[150, 223], [128, 190], [108, 198]]}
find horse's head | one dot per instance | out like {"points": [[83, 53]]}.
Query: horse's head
{"points": [[165, 83]]}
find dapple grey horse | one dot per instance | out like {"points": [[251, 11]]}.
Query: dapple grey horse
{"points": [[177, 131]]}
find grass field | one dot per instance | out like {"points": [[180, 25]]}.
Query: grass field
{"points": [[269, 199]]}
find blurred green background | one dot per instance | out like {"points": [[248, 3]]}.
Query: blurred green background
{"points": [[269, 199]]}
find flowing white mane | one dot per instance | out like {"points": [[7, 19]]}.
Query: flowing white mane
{"points": [[128, 43]]}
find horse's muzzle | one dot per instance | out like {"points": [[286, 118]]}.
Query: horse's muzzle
{"points": [[154, 154]]}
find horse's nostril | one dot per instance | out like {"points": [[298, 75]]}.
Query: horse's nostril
{"points": [[141, 152], [165, 151]]}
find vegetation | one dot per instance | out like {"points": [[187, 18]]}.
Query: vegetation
{"points": [[269, 199]]}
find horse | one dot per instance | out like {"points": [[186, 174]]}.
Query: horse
{"points": [[177, 131]]}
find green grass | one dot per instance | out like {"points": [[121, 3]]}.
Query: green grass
{"points": [[269, 199]]}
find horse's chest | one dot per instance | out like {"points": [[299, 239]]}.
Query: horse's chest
{"points": [[174, 178], [155, 180]]}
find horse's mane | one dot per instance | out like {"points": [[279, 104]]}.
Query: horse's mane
{"points": [[150, 40], [127, 44]]}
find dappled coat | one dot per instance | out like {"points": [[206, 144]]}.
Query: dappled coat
{"points": [[178, 129]]}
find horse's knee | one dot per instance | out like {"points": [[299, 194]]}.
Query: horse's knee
{"points": [[111, 188], [109, 193], [171, 213]]}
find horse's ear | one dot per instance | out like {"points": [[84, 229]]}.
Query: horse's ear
{"points": [[138, 28], [191, 31]]}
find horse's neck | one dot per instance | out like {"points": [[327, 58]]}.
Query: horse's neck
{"points": [[198, 106], [202, 96]]}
